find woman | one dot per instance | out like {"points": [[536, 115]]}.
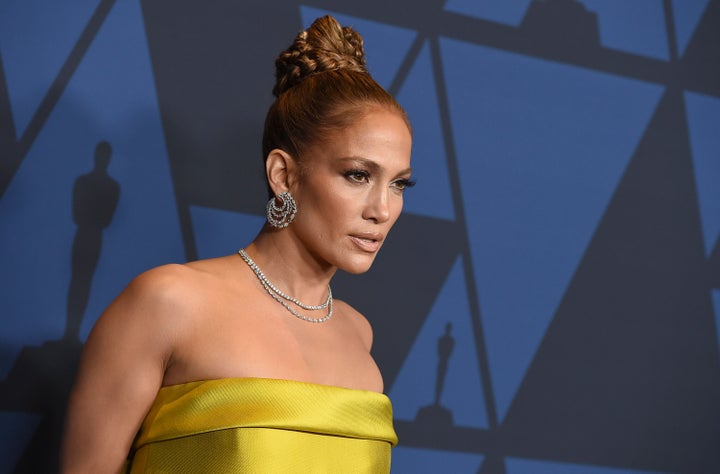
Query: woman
{"points": [[246, 363]]}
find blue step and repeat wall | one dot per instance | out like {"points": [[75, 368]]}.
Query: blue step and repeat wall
{"points": [[549, 301]]}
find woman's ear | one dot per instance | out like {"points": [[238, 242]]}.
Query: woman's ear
{"points": [[281, 170]]}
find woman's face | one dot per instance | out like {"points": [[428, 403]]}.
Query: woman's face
{"points": [[350, 191]]}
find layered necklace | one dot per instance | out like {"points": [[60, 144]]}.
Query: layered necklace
{"points": [[282, 298]]}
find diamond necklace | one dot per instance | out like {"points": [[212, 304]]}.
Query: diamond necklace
{"points": [[281, 297]]}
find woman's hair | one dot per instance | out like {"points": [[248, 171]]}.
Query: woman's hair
{"points": [[322, 85]]}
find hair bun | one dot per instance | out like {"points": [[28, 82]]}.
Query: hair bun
{"points": [[325, 46]]}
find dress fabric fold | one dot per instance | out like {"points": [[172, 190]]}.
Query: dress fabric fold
{"points": [[256, 425]]}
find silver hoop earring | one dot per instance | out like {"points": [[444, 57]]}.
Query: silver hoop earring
{"points": [[280, 215]]}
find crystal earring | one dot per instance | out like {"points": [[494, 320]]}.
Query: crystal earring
{"points": [[282, 214]]}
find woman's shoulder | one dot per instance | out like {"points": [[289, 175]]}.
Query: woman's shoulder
{"points": [[162, 284], [167, 299], [179, 279], [175, 288]]}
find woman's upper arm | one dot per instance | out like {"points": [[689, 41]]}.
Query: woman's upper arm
{"points": [[120, 373]]}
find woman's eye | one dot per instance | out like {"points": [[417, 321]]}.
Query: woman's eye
{"points": [[403, 184], [358, 176]]}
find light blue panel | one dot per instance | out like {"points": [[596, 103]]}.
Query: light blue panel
{"points": [[703, 114], [414, 386], [715, 295], [526, 466], [16, 429], [385, 45], [508, 12], [541, 147], [219, 232], [432, 196], [36, 37], [145, 231], [636, 26], [432, 461], [111, 97], [687, 15]]}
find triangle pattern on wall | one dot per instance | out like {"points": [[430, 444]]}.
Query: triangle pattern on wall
{"points": [[34, 48], [687, 15], [415, 385], [432, 197], [530, 205], [703, 117]]}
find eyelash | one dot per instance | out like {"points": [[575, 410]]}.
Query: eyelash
{"points": [[358, 176], [403, 184], [362, 176]]}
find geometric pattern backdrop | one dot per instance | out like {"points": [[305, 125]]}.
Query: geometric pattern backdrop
{"points": [[549, 301]]}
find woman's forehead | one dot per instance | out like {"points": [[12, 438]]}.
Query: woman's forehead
{"points": [[377, 140]]}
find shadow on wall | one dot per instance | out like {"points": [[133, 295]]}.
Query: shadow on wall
{"points": [[42, 376], [436, 414]]}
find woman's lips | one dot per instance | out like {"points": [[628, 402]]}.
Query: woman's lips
{"points": [[367, 242]]}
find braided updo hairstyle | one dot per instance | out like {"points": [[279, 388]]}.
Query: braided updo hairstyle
{"points": [[322, 85]]}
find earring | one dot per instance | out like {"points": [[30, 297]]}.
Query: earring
{"points": [[280, 215]]}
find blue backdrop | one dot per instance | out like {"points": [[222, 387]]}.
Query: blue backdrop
{"points": [[549, 302]]}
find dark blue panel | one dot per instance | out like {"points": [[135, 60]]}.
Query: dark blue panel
{"points": [[703, 114], [414, 386], [636, 26], [36, 37], [219, 233], [385, 45], [715, 295], [500, 11], [432, 197], [687, 15], [541, 147], [431, 461], [16, 428], [524, 466]]}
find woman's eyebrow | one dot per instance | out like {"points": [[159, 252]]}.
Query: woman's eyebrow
{"points": [[372, 165]]}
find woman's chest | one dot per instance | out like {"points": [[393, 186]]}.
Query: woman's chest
{"points": [[244, 345]]}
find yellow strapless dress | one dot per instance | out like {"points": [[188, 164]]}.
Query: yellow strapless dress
{"points": [[255, 425]]}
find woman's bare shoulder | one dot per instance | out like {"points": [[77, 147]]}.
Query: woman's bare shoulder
{"points": [[166, 283], [162, 280], [160, 297], [172, 274]]}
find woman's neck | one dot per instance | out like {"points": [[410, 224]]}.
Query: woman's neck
{"points": [[290, 266]]}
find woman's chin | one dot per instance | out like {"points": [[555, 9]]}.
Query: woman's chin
{"points": [[357, 266]]}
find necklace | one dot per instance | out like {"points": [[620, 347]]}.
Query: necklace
{"points": [[281, 297]]}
